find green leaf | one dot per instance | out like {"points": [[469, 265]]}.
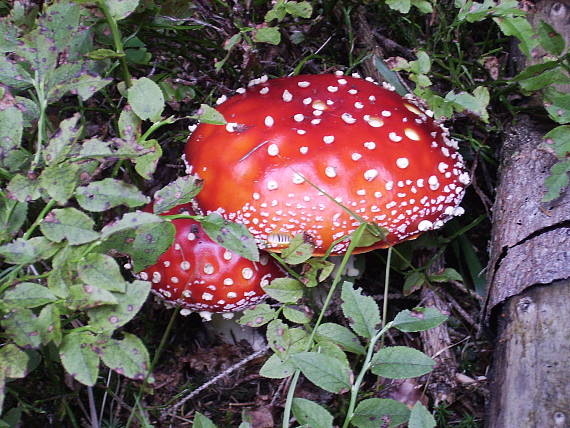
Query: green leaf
{"points": [[361, 311], [61, 143], [201, 421], [276, 368], [129, 124], [414, 281], [295, 315], [178, 192], [13, 361], [298, 250], [128, 356], [400, 362], [473, 104], [103, 195], [120, 9], [550, 40], [557, 104], [59, 181], [310, 413], [302, 9], [70, 224], [341, 336], [324, 371], [418, 319], [78, 357], [402, 6], [557, 181], [420, 417], [316, 271], [12, 217], [129, 303], [374, 412], [50, 325], [130, 221], [22, 327], [447, 275], [101, 271], [558, 140], [9, 32], [258, 315], [269, 35], [13, 74], [146, 164], [285, 290], [11, 128], [520, 28], [101, 54], [85, 86], [84, 296], [23, 189], [207, 114], [22, 251], [146, 99], [233, 236], [27, 295]]}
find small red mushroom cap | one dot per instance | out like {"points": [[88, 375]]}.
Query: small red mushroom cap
{"points": [[378, 154], [200, 275]]}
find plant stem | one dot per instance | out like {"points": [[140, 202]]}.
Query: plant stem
{"points": [[365, 367], [386, 282], [356, 236], [92, 409], [39, 219], [117, 41], [42, 101]]}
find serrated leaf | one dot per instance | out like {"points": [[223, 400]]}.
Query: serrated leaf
{"points": [[128, 357], [27, 295], [201, 421], [418, 319], [400, 362], [12, 217], [295, 315], [111, 317], [298, 250], [23, 189], [146, 99], [361, 311], [120, 9], [26, 251], [309, 413], [50, 325], [373, 412], [178, 192], [78, 357], [108, 193], [269, 35], [550, 40], [59, 181], [23, 328], [101, 271], [342, 336], [324, 371], [85, 296], [420, 417], [13, 361], [276, 368], [207, 114], [233, 236], [61, 143], [70, 224], [258, 315], [285, 290]]}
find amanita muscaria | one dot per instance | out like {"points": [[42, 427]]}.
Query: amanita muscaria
{"points": [[378, 154], [200, 275]]}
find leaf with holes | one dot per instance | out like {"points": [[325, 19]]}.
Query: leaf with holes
{"points": [[70, 224], [233, 236], [127, 356]]}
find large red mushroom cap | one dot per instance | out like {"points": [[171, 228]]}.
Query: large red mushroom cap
{"points": [[200, 275], [376, 153]]}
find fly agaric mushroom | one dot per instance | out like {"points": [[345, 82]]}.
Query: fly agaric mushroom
{"points": [[200, 275], [292, 142]]}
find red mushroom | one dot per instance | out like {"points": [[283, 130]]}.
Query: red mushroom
{"points": [[201, 275], [378, 154]]}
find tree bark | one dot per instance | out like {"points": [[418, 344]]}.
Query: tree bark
{"points": [[528, 302]]}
